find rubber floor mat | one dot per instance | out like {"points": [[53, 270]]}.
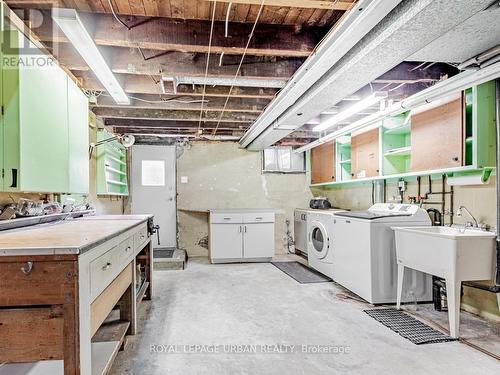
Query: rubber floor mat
{"points": [[410, 328], [301, 272]]}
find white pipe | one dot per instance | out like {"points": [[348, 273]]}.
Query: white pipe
{"points": [[226, 32]]}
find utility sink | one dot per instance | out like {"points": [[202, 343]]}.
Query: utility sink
{"points": [[453, 253]]}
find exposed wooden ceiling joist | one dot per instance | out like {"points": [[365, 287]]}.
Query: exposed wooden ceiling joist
{"points": [[187, 104], [166, 114], [135, 84], [130, 60], [313, 4], [173, 124], [163, 34]]}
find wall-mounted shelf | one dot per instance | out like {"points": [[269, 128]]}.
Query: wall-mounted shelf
{"points": [[401, 151], [111, 167]]}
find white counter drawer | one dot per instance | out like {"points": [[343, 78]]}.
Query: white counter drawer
{"points": [[263, 217], [229, 218], [104, 269], [140, 237]]}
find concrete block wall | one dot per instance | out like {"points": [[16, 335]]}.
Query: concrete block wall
{"points": [[222, 175]]}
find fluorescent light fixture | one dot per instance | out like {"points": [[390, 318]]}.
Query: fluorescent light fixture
{"points": [[367, 102], [442, 89], [72, 26]]}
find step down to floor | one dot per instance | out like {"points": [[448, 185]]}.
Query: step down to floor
{"points": [[169, 259]]}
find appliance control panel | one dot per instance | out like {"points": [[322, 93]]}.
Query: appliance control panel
{"points": [[395, 208]]}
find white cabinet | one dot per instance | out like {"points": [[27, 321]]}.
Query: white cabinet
{"points": [[241, 236]]}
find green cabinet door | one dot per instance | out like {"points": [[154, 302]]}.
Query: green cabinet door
{"points": [[35, 127], [78, 136], [43, 130]]}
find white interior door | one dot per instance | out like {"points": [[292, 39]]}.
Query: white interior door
{"points": [[153, 189]]}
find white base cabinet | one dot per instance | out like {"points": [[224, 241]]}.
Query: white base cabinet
{"points": [[241, 236]]}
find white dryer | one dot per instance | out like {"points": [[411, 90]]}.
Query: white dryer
{"points": [[320, 240], [364, 260]]}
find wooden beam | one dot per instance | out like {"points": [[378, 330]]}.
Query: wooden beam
{"points": [[164, 34], [179, 103], [311, 4], [166, 114], [136, 84], [149, 124], [130, 61]]}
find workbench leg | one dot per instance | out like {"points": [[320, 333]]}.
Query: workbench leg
{"points": [[71, 339], [128, 304], [149, 270]]}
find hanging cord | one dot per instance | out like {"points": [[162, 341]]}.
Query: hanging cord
{"points": [[239, 66], [206, 67], [116, 15]]}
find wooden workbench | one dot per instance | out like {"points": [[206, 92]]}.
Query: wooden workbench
{"points": [[59, 284]]}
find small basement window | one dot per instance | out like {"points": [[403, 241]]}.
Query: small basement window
{"points": [[282, 159]]}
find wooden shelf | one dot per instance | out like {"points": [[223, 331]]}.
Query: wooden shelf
{"points": [[113, 182], [402, 129], [116, 160], [113, 170], [103, 356], [401, 151], [142, 291]]}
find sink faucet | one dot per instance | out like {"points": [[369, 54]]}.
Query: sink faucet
{"points": [[460, 212]]}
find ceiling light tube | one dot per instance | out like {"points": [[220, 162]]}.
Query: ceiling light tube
{"points": [[367, 102], [71, 25]]}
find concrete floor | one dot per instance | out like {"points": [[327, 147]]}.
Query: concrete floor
{"points": [[257, 304]]}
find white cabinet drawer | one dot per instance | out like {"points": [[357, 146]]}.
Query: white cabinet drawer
{"points": [[105, 268], [140, 237], [220, 218], [266, 217]]}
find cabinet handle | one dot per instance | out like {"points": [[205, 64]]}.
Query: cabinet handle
{"points": [[259, 218], [239, 229], [27, 268], [227, 218], [106, 266], [128, 248], [14, 178], [245, 228]]}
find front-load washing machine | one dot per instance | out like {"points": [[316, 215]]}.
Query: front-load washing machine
{"points": [[320, 241]]}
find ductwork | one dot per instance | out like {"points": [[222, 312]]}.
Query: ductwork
{"points": [[384, 47], [350, 30]]}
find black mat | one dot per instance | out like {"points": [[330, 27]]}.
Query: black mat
{"points": [[410, 328], [301, 273]]}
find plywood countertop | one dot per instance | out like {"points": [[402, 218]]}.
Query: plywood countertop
{"points": [[68, 237]]}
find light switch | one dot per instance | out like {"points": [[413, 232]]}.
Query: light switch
{"points": [[184, 179]]}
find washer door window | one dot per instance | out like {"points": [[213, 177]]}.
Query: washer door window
{"points": [[319, 240]]}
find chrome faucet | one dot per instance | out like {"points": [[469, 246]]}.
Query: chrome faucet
{"points": [[460, 212]]}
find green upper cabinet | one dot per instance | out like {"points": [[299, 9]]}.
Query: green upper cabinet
{"points": [[455, 137], [78, 139], [45, 132]]}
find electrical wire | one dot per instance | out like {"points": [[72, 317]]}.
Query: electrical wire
{"points": [[174, 100], [208, 63], [116, 15], [239, 65]]}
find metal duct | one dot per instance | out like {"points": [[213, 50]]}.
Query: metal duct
{"points": [[387, 45]]}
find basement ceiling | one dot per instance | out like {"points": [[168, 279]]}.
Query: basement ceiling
{"points": [[154, 41]]}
